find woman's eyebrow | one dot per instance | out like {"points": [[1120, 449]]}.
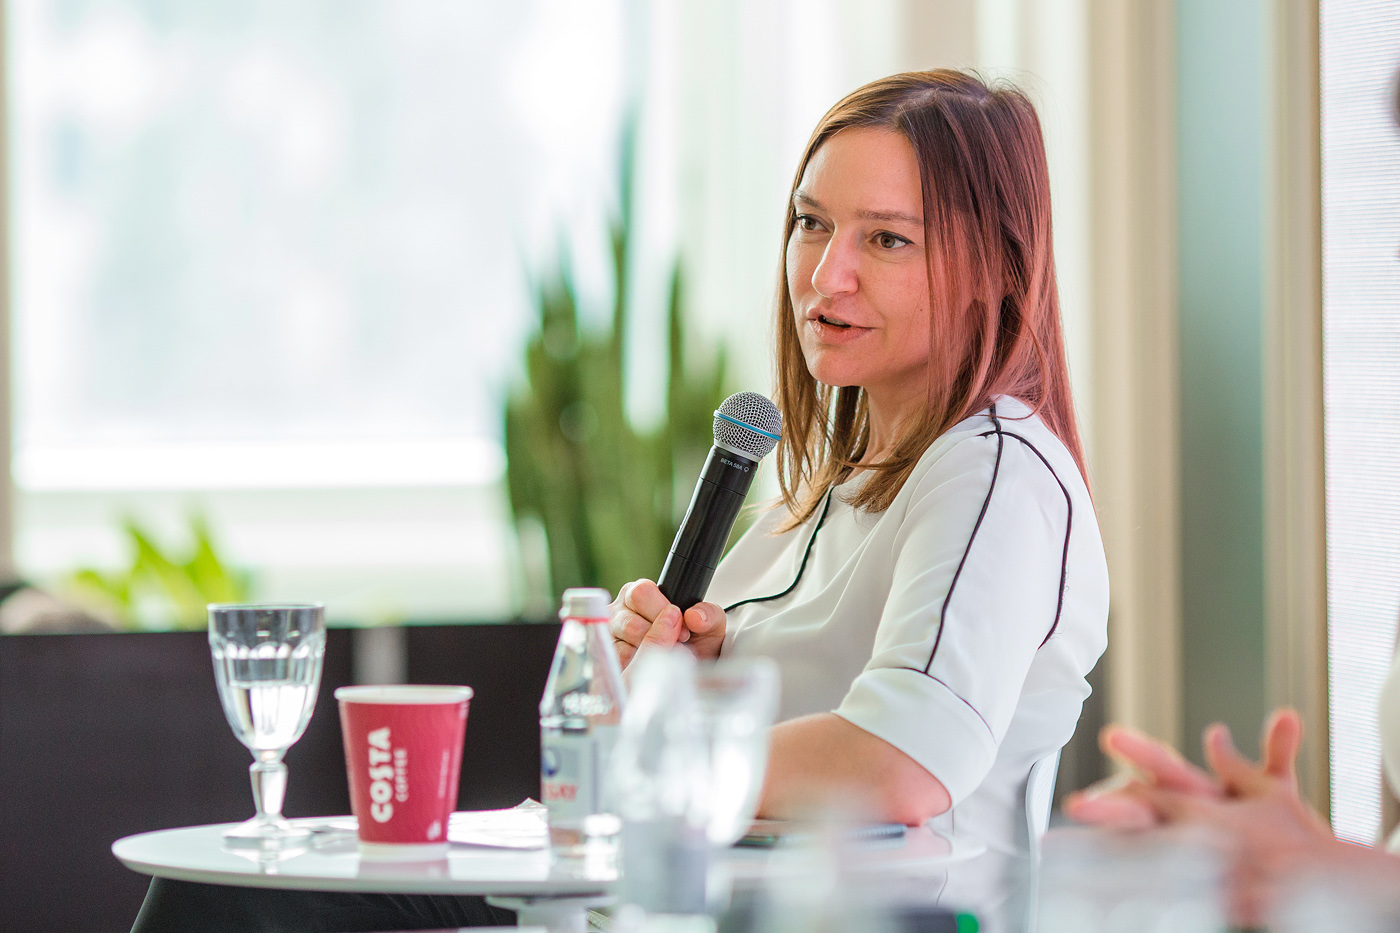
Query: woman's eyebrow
{"points": [[899, 216], [801, 198]]}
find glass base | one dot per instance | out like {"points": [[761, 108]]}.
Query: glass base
{"points": [[268, 855], [263, 832]]}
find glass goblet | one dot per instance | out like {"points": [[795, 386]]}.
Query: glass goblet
{"points": [[267, 664], [738, 698]]}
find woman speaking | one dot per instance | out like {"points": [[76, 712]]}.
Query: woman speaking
{"points": [[932, 584]]}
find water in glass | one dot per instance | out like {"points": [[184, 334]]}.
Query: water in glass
{"points": [[268, 692]]}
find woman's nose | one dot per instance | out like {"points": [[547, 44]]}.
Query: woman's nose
{"points": [[836, 273]]}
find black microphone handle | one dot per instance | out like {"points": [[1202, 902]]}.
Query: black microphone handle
{"points": [[699, 544]]}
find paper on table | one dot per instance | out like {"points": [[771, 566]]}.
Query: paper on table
{"points": [[519, 827]]}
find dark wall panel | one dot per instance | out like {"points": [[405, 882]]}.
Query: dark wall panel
{"points": [[103, 736], [506, 666]]}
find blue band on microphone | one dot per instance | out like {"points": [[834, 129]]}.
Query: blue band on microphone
{"points": [[749, 427]]}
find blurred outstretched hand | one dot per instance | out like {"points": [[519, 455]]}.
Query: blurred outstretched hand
{"points": [[1271, 831]]}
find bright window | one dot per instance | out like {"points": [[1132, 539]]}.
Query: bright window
{"points": [[277, 247], [1361, 322]]}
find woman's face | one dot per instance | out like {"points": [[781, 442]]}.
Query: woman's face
{"points": [[856, 270]]}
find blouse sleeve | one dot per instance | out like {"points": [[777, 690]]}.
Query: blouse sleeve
{"points": [[977, 588]]}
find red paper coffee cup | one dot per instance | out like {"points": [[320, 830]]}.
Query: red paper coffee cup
{"points": [[403, 752]]}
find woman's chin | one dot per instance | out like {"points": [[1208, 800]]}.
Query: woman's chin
{"points": [[834, 378], [829, 369]]}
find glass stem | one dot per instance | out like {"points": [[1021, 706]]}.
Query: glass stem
{"points": [[269, 786]]}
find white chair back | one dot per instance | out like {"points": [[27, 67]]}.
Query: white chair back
{"points": [[1040, 798]]}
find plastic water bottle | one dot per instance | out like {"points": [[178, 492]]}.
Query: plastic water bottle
{"points": [[579, 713]]}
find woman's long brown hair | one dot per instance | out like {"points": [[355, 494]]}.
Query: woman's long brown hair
{"points": [[991, 272]]}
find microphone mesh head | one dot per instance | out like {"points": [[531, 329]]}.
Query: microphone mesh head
{"points": [[758, 417]]}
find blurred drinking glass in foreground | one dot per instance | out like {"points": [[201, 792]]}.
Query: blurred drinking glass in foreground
{"points": [[738, 698], [1095, 881], [688, 770], [659, 780], [1341, 901]]}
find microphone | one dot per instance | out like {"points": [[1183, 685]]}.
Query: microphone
{"points": [[747, 426]]}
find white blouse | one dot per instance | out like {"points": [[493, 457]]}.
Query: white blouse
{"points": [[958, 624]]}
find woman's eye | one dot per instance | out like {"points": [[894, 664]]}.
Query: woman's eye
{"points": [[890, 240], [808, 222]]}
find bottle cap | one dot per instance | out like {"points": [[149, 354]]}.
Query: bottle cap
{"points": [[585, 602]]}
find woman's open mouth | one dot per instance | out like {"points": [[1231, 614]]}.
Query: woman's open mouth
{"points": [[833, 330]]}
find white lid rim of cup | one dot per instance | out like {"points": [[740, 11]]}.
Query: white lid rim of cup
{"points": [[404, 694], [266, 607]]}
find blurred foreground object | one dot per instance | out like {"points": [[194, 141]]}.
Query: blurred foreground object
{"points": [[160, 589], [737, 702], [1102, 881], [663, 789], [1336, 901]]}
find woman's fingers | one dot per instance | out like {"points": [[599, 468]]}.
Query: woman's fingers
{"points": [[704, 618], [626, 626], [1157, 761], [642, 618], [705, 623], [664, 632], [644, 598]]}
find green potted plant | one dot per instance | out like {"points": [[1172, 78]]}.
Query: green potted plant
{"points": [[606, 493]]}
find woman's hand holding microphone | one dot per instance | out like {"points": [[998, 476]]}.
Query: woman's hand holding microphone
{"points": [[642, 617]]}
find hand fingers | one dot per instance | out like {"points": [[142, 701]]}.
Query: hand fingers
{"points": [[1105, 804], [1240, 776], [1169, 806], [1283, 736], [664, 632], [704, 619], [627, 630], [1111, 811], [626, 626], [1159, 762], [644, 598]]}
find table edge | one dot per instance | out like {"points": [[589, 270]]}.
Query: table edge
{"points": [[449, 886]]}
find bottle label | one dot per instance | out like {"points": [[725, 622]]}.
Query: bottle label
{"points": [[573, 770]]}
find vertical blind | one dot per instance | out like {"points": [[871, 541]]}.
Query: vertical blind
{"points": [[1361, 328]]}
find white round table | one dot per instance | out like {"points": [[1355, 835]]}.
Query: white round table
{"points": [[544, 892]]}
